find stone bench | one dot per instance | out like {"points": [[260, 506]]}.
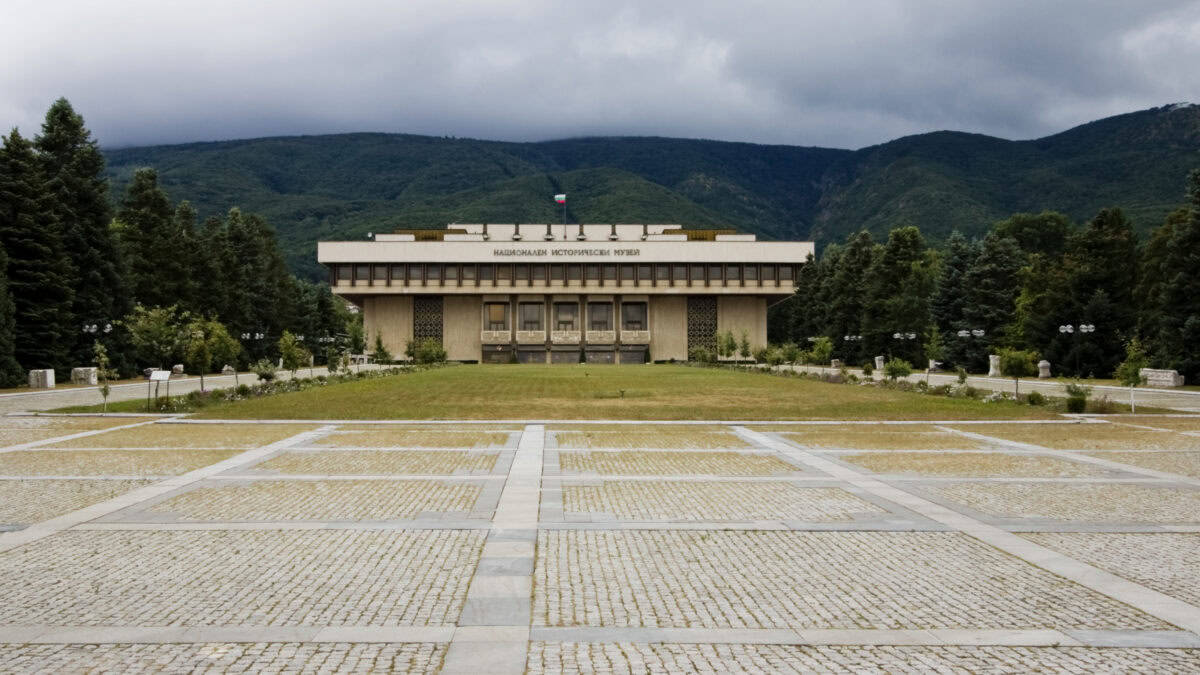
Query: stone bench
{"points": [[1161, 378]]}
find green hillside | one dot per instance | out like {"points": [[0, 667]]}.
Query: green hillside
{"points": [[343, 186]]}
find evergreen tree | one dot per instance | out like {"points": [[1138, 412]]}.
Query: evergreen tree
{"points": [[847, 296], [74, 168], [209, 260], [184, 262], [38, 271], [898, 285], [1179, 323], [1151, 276], [992, 283], [948, 304], [147, 242], [11, 374], [1044, 233]]}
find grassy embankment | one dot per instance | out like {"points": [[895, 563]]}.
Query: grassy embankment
{"points": [[651, 392]]}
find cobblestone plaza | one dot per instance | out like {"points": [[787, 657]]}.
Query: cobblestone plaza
{"points": [[135, 544]]}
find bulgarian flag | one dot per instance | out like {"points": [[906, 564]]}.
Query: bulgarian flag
{"points": [[560, 199]]}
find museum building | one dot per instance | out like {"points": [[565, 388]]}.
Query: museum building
{"points": [[563, 293]]}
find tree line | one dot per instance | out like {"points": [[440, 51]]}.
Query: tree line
{"points": [[1077, 295], [76, 269]]}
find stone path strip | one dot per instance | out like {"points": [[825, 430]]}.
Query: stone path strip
{"points": [[1151, 602], [493, 632], [71, 437]]}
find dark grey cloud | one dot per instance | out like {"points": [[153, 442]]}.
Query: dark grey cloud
{"points": [[807, 73]]}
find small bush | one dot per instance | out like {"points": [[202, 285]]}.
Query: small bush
{"points": [[1035, 398], [264, 369], [701, 355], [962, 375], [941, 390], [868, 369], [1077, 397], [429, 351], [243, 390], [1103, 406], [895, 369]]}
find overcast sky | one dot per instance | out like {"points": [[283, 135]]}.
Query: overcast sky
{"points": [[841, 74]]}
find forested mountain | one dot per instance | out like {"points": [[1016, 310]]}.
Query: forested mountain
{"points": [[343, 186]]}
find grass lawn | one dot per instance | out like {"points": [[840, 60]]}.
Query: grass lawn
{"points": [[651, 392]]}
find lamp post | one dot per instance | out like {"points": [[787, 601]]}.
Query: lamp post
{"points": [[1082, 329]]}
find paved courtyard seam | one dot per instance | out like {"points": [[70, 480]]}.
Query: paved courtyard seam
{"points": [[71, 437], [11, 540], [1147, 600], [493, 630]]}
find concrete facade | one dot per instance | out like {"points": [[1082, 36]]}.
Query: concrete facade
{"points": [[563, 293]]}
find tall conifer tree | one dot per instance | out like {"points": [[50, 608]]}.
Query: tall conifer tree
{"points": [[898, 285], [74, 169], [11, 374], [39, 272], [992, 283], [146, 235], [1179, 323]]}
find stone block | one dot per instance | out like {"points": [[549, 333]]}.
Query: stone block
{"points": [[1156, 377], [41, 379], [177, 369], [1043, 369], [993, 365], [879, 363], [228, 370], [835, 364], [88, 376]]}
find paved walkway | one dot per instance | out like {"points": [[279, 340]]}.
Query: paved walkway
{"points": [[574, 547], [51, 399], [1170, 399]]}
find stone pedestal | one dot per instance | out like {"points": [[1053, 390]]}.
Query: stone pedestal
{"points": [[836, 364], [177, 369], [994, 365], [1043, 369], [879, 363], [228, 370], [88, 376], [41, 379], [933, 365]]}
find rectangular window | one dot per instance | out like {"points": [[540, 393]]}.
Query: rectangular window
{"points": [[633, 316], [468, 272], [522, 272], [451, 272], [662, 272], [734, 272], [343, 272], [487, 272], [627, 272], [697, 272], [433, 272], [362, 272], [531, 315], [610, 272], [751, 272], [416, 273], [496, 314], [556, 273], [398, 273], [539, 272], [574, 272], [768, 272], [566, 316], [681, 273], [593, 272], [644, 273], [785, 272], [714, 272], [504, 272], [380, 272], [600, 316]]}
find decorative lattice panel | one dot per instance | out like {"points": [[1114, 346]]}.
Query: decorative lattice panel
{"points": [[427, 318], [702, 322]]}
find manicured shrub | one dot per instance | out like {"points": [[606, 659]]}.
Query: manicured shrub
{"points": [[1035, 398]]}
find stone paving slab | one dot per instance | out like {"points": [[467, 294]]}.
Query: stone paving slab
{"points": [[681, 437], [274, 500], [663, 657], [221, 657], [647, 462], [885, 438], [970, 464], [400, 437], [262, 577], [1086, 436], [188, 436], [647, 501], [46, 462], [353, 462], [1180, 463], [1077, 502], [34, 500], [1166, 562], [730, 579]]}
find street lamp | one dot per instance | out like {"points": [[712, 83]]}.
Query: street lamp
{"points": [[93, 328], [852, 338], [904, 336], [1084, 328]]}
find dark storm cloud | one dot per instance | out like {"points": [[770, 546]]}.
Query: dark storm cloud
{"points": [[809, 73]]}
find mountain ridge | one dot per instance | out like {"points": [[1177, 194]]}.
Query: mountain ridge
{"points": [[314, 187]]}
